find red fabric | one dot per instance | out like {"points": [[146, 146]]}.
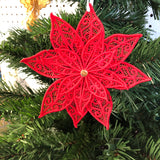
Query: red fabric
{"points": [[86, 65]]}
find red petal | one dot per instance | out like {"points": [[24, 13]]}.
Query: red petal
{"points": [[81, 96], [100, 62], [64, 36], [64, 58], [129, 74], [89, 26], [74, 114], [94, 47], [54, 101], [101, 109], [95, 86], [109, 79], [69, 83], [122, 45], [54, 63]]}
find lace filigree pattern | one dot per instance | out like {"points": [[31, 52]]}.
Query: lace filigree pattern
{"points": [[55, 100], [75, 114], [85, 65]]}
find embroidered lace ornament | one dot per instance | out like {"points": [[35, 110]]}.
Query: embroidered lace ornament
{"points": [[86, 65]]}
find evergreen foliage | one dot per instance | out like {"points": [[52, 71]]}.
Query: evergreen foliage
{"points": [[134, 130]]}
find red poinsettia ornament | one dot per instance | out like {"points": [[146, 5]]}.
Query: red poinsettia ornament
{"points": [[85, 65]]}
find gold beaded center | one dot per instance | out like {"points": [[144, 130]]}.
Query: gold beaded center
{"points": [[84, 73]]}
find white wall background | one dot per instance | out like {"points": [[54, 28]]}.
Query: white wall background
{"points": [[13, 14], [153, 24]]}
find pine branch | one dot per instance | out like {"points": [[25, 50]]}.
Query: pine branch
{"points": [[146, 50], [116, 145], [132, 5], [15, 102], [153, 149], [17, 92]]}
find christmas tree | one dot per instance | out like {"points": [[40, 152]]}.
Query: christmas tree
{"points": [[134, 121]]}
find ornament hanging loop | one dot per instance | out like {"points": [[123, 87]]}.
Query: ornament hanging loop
{"points": [[91, 2]]}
